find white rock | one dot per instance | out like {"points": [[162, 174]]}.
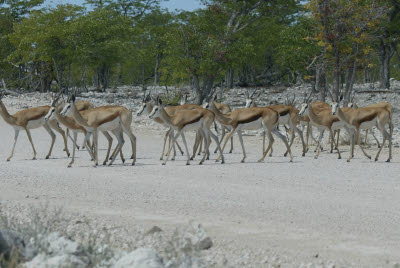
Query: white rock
{"points": [[60, 245], [43, 260], [140, 258]]}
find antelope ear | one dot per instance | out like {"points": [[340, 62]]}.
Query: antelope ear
{"points": [[73, 98], [341, 98], [159, 101]]}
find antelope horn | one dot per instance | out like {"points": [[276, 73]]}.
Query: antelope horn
{"points": [[246, 94], [309, 97]]}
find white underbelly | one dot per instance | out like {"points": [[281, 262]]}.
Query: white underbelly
{"points": [[194, 126], [368, 124], [108, 126], [36, 123], [284, 119], [337, 125], [254, 125]]}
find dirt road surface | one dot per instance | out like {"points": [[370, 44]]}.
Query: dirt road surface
{"points": [[305, 211]]}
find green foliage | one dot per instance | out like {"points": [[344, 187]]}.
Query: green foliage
{"points": [[116, 42]]}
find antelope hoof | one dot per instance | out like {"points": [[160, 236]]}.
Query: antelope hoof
{"points": [[339, 157], [222, 162], [217, 160], [291, 161], [270, 155], [8, 159], [173, 158], [376, 159], [70, 165], [123, 160], [369, 157], [230, 151], [260, 161], [208, 158], [315, 157], [182, 153], [163, 164], [68, 154], [201, 163], [388, 161], [304, 154], [242, 161], [348, 160], [132, 157], [104, 163], [191, 158], [47, 157], [285, 154], [161, 158], [187, 163]]}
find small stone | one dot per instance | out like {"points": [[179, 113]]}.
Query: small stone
{"points": [[154, 229]]}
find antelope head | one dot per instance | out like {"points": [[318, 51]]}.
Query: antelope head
{"points": [[306, 104], [184, 99], [352, 103], [335, 105], [67, 110], [156, 109], [250, 98], [51, 114], [145, 102]]}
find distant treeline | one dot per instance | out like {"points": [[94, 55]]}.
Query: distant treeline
{"points": [[106, 43]]}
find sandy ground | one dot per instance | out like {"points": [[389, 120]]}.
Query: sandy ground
{"points": [[306, 211]]}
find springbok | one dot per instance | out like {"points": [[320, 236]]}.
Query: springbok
{"points": [[225, 109], [80, 106], [69, 123], [30, 119], [252, 118], [385, 105], [288, 115], [365, 118], [148, 104], [105, 118], [199, 120], [323, 119]]}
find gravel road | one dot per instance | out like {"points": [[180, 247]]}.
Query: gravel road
{"points": [[309, 211]]}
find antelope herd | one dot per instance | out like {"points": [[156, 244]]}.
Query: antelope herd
{"points": [[82, 117]]}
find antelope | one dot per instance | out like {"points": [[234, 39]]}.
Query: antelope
{"points": [[106, 118], [30, 119], [365, 118], [225, 109], [386, 105], [252, 118], [199, 120], [323, 120], [288, 115], [148, 104], [69, 123], [80, 106]]}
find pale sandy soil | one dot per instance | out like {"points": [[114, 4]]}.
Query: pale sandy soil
{"points": [[258, 214]]}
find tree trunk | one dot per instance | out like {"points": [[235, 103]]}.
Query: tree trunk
{"points": [[202, 90], [385, 54], [229, 78], [336, 77], [156, 78], [320, 82], [351, 78]]}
